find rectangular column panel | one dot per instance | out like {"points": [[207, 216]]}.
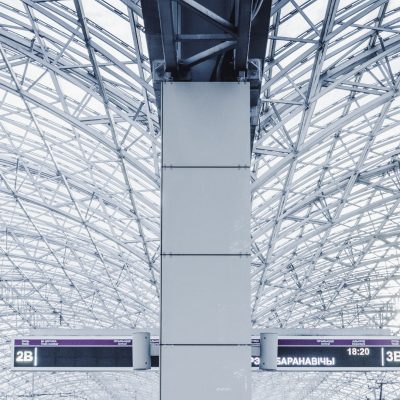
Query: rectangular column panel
{"points": [[205, 267], [205, 211], [198, 303]]}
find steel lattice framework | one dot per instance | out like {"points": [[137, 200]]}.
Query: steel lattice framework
{"points": [[80, 183]]}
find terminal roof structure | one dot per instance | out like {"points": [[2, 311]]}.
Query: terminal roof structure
{"points": [[80, 184]]}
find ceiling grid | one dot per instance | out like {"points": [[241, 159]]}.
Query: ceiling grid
{"points": [[80, 184]]}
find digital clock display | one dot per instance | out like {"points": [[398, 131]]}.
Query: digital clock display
{"points": [[358, 351]]}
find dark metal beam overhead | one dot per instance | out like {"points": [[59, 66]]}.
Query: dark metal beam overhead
{"points": [[257, 47], [167, 36], [243, 24], [208, 40]]}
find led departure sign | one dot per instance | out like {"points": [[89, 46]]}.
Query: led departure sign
{"points": [[338, 353], [73, 354]]}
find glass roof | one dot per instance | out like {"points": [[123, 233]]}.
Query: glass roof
{"points": [[80, 184]]}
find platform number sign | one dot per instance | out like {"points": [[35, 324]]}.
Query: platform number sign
{"points": [[392, 357], [25, 357]]}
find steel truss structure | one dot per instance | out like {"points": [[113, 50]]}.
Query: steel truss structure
{"points": [[80, 183]]}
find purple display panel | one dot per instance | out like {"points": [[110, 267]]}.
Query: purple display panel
{"points": [[378, 342], [72, 342]]}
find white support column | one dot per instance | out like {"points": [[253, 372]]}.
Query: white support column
{"points": [[205, 272]]}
